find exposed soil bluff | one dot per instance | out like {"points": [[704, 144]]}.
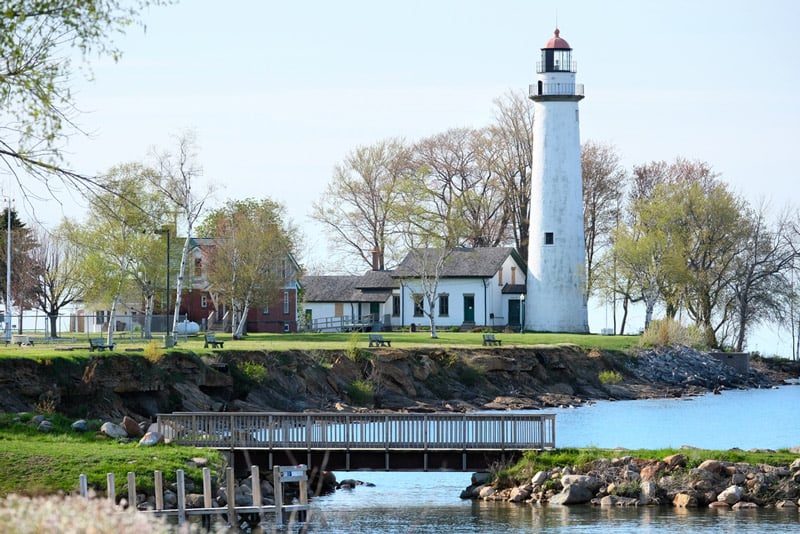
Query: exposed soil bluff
{"points": [[425, 379]]}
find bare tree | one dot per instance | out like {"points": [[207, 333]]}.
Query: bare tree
{"points": [[512, 139], [176, 180], [761, 282], [356, 205], [61, 280], [603, 188], [458, 172]]}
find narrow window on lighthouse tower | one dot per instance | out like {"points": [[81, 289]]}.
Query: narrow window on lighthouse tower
{"points": [[548, 238]]}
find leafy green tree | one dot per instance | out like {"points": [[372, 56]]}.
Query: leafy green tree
{"points": [[248, 256], [38, 39], [119, 245]]}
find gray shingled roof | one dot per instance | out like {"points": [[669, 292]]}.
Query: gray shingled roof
{"points": [[479, 262], [340, 289], [377, 280]]}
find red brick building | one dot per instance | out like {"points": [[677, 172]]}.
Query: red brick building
{"points": [[200, 304]]}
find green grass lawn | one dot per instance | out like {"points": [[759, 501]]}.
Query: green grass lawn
{"points": [[35, 463], [327, 341]]}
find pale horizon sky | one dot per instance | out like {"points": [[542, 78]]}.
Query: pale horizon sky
{"points": [[280, 92]]}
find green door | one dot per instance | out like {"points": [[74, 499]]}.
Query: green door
{"points": [[469, 308], [513, 313]]}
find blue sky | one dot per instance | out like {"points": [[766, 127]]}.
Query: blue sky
{"points": [[280, 92]]}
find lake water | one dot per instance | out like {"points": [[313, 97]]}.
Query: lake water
{"points": [[429, 502]]}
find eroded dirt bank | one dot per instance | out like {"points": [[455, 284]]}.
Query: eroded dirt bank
{"points": [[110, 386]]}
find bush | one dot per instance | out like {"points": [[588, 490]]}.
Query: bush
{"points": [[361, 392], [609, 377], [630, 489], [468, 375], [253, 371], [666, 332], [153, 352]]}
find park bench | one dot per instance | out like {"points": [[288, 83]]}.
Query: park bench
{"points": [[376, 340], [98, 343], [211, 340], [489, 339]]}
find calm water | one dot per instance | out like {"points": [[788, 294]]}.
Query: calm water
{"points": [[429, 502]]}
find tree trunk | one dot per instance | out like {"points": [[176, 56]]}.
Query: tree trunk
{"points": [[112, 320], [239, 332], [179, 283], [625, 301], [53, 318]]}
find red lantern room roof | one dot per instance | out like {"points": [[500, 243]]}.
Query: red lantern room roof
{"points": [[556, 41]]}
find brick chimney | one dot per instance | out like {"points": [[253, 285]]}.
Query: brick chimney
{"points": [[376, 260]]}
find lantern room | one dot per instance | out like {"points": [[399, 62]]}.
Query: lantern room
{"points": [[556, 56]]}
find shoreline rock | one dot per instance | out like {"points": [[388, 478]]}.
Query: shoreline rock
{"points": [[629, 481]]}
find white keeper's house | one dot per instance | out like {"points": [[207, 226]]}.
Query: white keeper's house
{"points": [[477, 287]]}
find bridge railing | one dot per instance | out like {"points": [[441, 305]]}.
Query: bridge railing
{"points": [[360, 431]]}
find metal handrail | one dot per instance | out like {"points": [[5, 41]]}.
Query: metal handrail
{"points": [[360, 431]]}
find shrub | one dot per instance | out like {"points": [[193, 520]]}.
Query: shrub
{"points": [[468, 375], [630, 489], [361, 392], [665, 332], [609, 377], [356, 353], [153, 352], [253, 371]]}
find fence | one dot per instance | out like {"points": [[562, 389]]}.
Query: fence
{"points": [[280, 475], [36, 323]]}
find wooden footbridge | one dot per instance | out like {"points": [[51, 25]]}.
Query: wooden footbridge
{"points": [[365, 441]]}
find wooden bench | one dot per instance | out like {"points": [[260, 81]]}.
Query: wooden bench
{"points": [[376, 340], [98, 343], [211, 339], [489, 339]]}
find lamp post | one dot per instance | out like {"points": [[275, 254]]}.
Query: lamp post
{"points": [[8, 272], [166, 231], [522, 312]]}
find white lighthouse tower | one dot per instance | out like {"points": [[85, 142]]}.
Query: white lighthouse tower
{"points": [[556, 292]]}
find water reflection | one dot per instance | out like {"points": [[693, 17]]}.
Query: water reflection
{"points": [[428, 502]]}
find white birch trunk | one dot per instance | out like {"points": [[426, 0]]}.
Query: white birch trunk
{"points": [[179, 283]]}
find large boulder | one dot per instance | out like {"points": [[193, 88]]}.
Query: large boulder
{"points": [[113, 430], [572, 494], [730, 495], [589, 482], [151, 439], [675, 460], [712, 466], [131, 427], [685, 500]]}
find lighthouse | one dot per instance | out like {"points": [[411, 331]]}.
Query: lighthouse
{"points": [[556, 292]]}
